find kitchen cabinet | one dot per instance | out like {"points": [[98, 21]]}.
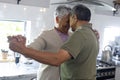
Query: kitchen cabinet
{"points": [[37, 3]]}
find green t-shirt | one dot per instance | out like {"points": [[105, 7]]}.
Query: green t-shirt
{"points": [[83, 47]]}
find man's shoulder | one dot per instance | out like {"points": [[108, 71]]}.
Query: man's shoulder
{"points": [[49, 31]]}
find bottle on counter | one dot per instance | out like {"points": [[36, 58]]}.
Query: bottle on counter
{"points": [[17, 57]]}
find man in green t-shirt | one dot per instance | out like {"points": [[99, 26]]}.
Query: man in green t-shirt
{"points": [[77, 57]]}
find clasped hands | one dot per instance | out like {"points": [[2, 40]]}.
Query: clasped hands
{"points": [[17, 43]]}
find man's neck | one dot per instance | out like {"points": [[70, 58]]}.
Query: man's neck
{"points": [[58, 29], [80, 23]]}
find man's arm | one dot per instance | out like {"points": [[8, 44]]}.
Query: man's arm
{"points": [[54, 59], [43, 57]]}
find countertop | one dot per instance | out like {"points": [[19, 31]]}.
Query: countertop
{"points": [[11, 71]]}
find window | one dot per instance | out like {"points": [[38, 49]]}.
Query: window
{"points": [[110, 36], [11, 27]]}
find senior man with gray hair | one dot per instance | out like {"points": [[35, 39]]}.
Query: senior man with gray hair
{"points": [[52, 40]]}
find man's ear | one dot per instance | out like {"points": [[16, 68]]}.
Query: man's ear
{"points": [[75, 18], [57, 19]]}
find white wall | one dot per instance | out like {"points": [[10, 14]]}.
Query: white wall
{"points": [[102, 21], [38, 18]]}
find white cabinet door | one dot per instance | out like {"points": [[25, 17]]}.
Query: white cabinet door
{"points": [[38, 3]]}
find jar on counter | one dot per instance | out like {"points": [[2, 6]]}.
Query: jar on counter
{"points": [[4, 54]]}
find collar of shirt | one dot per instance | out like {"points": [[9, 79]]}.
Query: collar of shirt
{"points": [[63, 36], [89, 25]]}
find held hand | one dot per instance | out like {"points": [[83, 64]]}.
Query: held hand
{"points": [[16, 46], [21, 39], [11, 38], [18, 38], [16, 43], [96, 33]]}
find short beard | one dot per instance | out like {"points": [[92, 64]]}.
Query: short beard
{"points": [[73, 30]]}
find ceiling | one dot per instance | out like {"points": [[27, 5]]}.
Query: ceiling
{"points": [[107, 1], [106, 9], [45, 3]]}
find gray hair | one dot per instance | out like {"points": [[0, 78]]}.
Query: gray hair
{"points": [[62, 10]]}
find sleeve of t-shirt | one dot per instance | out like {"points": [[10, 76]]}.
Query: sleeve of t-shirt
{"points": [[75, 44], [38, 43]]}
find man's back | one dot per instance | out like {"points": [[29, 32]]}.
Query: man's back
{"points": [[83, 46], [48, 41]]}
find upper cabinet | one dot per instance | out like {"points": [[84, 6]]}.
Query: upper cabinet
{"points": [[37, 3]]}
